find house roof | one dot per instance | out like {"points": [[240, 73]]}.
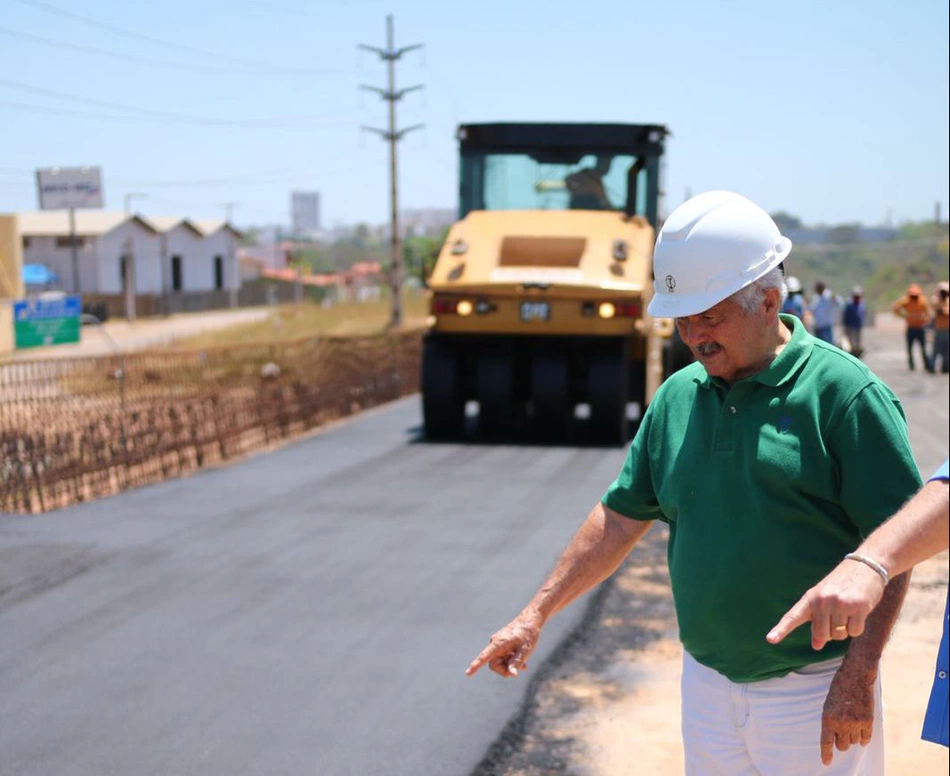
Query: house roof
{"points": [[92, 223], [89, 223], [274, 255], [208, 226], [289, 275], [164, 224]]}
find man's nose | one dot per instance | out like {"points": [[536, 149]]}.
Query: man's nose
{"points": [[691, 332]]}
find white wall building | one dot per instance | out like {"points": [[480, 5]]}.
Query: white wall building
{"points": [[102, 240], [180, 256], [220, 245], [172, 254]]}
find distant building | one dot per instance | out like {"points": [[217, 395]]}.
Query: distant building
{"points": [[268, 234], [429, 221], [273, 255], [305, 212], [360, 283], [172, 254]]}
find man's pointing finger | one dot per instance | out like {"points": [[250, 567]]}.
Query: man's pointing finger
{"points": [[795, 617]]}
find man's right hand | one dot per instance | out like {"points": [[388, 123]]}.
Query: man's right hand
{"points": [[837, 607], [508, 650]]}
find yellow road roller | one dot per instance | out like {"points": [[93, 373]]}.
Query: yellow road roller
{"points": [[537, 321]]}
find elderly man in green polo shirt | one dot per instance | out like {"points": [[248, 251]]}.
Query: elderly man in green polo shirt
{"points": [[770, 458]]}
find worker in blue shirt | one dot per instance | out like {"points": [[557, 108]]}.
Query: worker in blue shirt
{"points": [[853, 319], [838, 605], [825, 308], [794, 303]]}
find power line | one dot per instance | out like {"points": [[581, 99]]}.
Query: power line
{"points": [[252, 178], [290, 121], [112, 118], [191, 50], [51, 111], [140, 60], [248, 179]]}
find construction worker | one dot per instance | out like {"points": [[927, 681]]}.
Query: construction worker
{"points": [[824, 308], [916, 312], [586, 186], [770, 458], [855, 312], [941, 324], [794, 303]]}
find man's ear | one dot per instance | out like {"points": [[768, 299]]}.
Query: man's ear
{"points": [[772, 302]]}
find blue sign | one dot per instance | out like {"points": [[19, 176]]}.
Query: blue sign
{"points": [[47, 320], [39, 308]]}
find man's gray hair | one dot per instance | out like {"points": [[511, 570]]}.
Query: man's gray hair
{"points": [[750, 297]]}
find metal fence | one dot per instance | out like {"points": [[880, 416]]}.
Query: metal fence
{"points": [[73, 430], [252, 293]]}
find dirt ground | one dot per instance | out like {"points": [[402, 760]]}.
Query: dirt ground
{"points": [[625, 714], [120, 335], [607, 702]]}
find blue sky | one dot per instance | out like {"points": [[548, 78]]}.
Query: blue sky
{"points": [[832, 110]]}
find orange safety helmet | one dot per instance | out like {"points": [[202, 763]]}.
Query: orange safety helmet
{"points": [[913, 290]]}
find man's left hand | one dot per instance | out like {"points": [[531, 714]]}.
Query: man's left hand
{"points": [[848, 715]]}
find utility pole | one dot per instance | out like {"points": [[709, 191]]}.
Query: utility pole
{"points": [[130, 286], [232, 270], [389, 55], [74, 249]]}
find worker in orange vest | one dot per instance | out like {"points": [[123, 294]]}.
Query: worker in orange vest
{"points": [[914, 308], [941, 343]]}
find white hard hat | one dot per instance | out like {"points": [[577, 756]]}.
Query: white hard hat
{"points": [[710, 247], [793, 284]]}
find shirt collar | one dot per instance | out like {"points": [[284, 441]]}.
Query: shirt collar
{"points": [[783, 367]]}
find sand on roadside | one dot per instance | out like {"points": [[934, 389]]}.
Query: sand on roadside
{"points": [[639, 731]]}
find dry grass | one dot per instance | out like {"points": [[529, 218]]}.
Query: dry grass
{"points": [[296, 321]]}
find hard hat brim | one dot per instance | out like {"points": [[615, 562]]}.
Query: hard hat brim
{"points": [[669, 306]]}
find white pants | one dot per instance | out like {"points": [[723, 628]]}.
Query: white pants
{"points": [[768, 728]]}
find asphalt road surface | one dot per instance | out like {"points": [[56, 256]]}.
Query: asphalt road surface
{"points": [[307, 611]]}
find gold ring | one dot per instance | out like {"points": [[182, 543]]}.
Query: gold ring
{"points": [[841, 627]]}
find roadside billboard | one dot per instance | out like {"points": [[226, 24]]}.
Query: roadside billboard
{"points": [[63, 188]]}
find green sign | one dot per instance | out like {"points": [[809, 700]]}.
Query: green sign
{"points": [[43, 321]]}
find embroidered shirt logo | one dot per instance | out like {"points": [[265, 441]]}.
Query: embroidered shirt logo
{"points": [[670, 283]]}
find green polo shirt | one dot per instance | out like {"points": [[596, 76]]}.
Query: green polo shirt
{"points": [[765, 485]]}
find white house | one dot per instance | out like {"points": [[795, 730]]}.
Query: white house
{"points": [[181, 259], [171, 254], [102, 240], [220, 245]]}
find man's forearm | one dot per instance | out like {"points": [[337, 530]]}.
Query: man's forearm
{"points": [[864, 653], [917, 531], [595, 552]]}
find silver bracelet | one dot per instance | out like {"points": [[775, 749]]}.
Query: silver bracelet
{"points": [[870, 562]]}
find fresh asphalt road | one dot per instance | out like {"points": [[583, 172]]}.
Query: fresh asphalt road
{"points": [[307, 611]]}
